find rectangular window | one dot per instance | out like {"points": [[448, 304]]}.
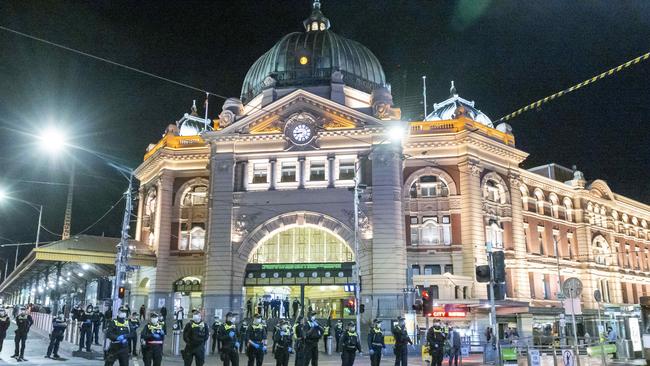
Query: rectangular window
{"points": [[346, 170], [446, 230], [415, 269], [449, 268], [288, 172], [432, 269], [317, 171], [415, 236], [260, 173]]}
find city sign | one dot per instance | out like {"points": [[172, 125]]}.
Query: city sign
{"points": [[449, 311]]}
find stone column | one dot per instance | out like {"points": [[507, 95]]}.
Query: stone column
{"points": [[387, 273], [160, 286], [273, 176], [330, 171], [301, 172], [141, 203], [520, 286], [222, 287], [582, 235], [244, 176], [473, 228]]}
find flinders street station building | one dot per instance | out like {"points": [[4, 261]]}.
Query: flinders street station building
{"points": [[258, 205]]}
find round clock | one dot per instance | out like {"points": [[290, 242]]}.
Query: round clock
{"points": [[299, 128], [301, 133]]}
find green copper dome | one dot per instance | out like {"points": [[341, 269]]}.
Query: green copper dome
{"points": [[309, 58]]}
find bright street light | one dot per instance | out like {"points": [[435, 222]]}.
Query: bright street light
{"points": [[52, 140], [396, 133]]}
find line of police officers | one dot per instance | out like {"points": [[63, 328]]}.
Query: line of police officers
{"points": [[229, 339]]}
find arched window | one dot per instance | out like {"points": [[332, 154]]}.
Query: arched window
{"points": [[194, 212], [302, 244], [492, 191], [494, 235], [554, 205], [494, 188], [541, 201], [568, 207], [432, 232], [149, 218], [429, 186], [601, 251]]}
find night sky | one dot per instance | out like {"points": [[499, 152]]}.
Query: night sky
{"points": [[501, 54]]}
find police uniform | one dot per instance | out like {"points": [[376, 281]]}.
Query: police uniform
{"points": [[375, 344], [402, 340], [282, 346], [349, 346], [215, 341], [85, 334], [4, 324], [195, 335], [229, 338], [326, 333], [23, 323], [338, 332], [436, 342], [256, 345], [299, 342], [152, 338], [243, 333], [58, 328], [134, 324], [96, 319], [313, 333], [118, 332]]}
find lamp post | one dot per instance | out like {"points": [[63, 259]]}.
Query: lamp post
{"points": [[35, 206], [17, 245]]}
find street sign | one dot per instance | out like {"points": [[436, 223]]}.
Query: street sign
{"points": [[535, 359], [568, 358], [572, 287]]}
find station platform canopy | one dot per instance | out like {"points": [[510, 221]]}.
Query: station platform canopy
{"points": [[78, 259]]}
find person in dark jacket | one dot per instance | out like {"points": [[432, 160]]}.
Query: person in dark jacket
{"points": [[97, 319], [256, 342], [143, 312], [299, 341], [118, 333], [402, 340], [327, 332], [454, 343], [350, 345], [4, 325], [436, 342], [215, 328], [108, 317], [163, 318], [152, 339], [86, 329], [338, 332], [376, 343], [313, 333], [282, 344], [58, 328], [295, 306], [229, 339], [243, 334], [24, 321], [134, 324], [195, 335]]}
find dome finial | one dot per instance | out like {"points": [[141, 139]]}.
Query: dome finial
{"points": [[194, 109], [316, 4], [452, 90], [316, 21]]}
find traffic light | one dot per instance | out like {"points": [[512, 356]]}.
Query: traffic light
{"points": [[483, 273], [362, 308], [499, 266], [120, 292], [499, 291], [350, 306], [427, 302]]}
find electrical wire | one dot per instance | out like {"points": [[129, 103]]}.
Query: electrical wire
{"points": [[50, 231], [101, 217]]}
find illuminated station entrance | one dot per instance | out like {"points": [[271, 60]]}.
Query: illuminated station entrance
{"points": [[299, 265]]}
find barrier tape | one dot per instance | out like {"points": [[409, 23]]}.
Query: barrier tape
{"points": [[551, 97]]}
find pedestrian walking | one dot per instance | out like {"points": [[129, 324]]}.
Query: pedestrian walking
{"points": [[143, 312], [195, 335], [4, 325], [454, 346], [179, 315], [350, 345], [134, 324], [86, 328], [152, 339], [376, 343], [338, 332], [118, 332], [24, 321], [436, 343], [96, 320], [58, 328], [249, 308], [215, 341], [229, 341], [299, 341], [282, 344]]}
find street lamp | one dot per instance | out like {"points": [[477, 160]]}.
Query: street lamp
{"points": [[35, 206]]}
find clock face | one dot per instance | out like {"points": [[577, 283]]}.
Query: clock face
{"points": [[301, 133]]}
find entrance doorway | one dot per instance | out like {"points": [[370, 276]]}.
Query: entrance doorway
{"points": [[187, 294]]}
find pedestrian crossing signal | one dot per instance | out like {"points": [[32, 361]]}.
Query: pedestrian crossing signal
{"points": [[120, 292]]}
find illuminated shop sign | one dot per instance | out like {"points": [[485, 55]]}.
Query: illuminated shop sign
{"points": [[450, 311]]}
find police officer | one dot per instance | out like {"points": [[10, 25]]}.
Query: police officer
{"points": [[195, 335], [338, 332], [118, 332], [327, 332], [282, 344], [152, 339], [58, 328], [299, 341], [402, 340], [215, 328], [243, 333], [96, 319], [256, 344], [376, 343], [313, 333], [4, 324], [350, 344], [23, 322], [134, 324], [85, 317], [436, 341], [229, 341]]}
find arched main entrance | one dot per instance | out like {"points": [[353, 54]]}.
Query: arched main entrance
{"points": [[300, 264]]}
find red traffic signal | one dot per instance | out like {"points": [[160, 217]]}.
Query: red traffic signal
{"points": [[120, 292], [425, 295]]}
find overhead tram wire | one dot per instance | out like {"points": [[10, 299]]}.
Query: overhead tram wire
{"points": [[575, 87]]}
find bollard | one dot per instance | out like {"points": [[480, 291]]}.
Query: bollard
{"points": [[176, 343], [329, 345], [554, 356]]}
